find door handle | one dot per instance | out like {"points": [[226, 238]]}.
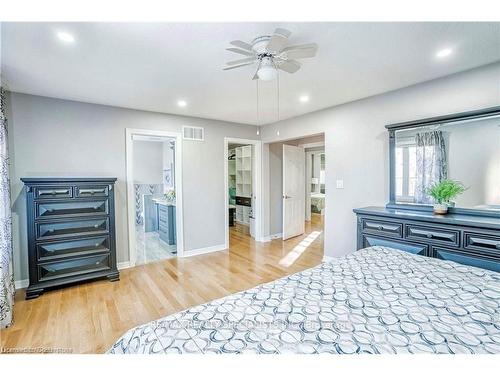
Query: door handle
{"points": [[286, 197]]}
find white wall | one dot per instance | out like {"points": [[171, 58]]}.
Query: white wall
{"points": [[52, 137], [148, 162], [356, 142]]}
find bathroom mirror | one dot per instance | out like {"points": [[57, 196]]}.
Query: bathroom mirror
{"points": [[464, 147]]}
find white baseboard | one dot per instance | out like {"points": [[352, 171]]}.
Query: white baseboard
{"points": [[123, 265], [272, 237], [21, 284], [327, 258], [204, 250]]}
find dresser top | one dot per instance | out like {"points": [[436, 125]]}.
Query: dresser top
{"points": [[44, 180], [457, 219]]}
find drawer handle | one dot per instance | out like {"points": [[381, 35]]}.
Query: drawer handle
{"points": [[54, 192], [429, 235], [498, 246], [49, 210], [50, 231], [380, 227], [96, 225], [91, 191]]}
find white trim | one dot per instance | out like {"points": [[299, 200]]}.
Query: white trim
{"points": [[204, 250], [256, 187], [123, 265], [21, 284], [327, 258], [179, 217], [313, 145]]}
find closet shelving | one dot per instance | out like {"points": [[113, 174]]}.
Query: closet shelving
{"points": [[243, 168]]}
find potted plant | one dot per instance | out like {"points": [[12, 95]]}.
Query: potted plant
{"points": [[170, 196], [443, 192]]}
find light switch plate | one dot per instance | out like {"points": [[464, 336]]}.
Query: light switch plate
{"points": [[340, 184]]}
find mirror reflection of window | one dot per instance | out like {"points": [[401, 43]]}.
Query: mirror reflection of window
{"points": [[406, 171]]}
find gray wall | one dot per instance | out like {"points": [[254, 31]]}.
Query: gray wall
{"points": [[148, 162], [51, 137], [356, 142]]}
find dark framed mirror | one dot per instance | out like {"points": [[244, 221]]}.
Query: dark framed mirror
{"points": [[463, 147]]}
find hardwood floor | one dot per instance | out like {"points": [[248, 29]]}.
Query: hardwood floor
{"points": [[89, 318]]}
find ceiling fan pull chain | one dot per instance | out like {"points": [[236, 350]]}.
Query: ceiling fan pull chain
{"points": [[278, 92]]}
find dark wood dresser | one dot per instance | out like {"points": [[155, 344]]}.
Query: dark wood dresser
{"points": [[71, 231], [468, 239]]}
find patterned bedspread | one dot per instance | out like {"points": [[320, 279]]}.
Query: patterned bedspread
{"points": [[376, 300]]}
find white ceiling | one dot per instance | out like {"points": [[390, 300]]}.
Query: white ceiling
{"points": [[151, 66]]}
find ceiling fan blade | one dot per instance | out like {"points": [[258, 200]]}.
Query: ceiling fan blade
{"points": [[241, 61], [236, 66], [242, 45], [301, 51], [240, 51], [290, 66], [278, 40]]}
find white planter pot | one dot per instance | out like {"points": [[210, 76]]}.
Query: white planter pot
{"points": [[440, 209]]}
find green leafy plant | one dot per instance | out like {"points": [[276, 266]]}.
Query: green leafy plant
{"points": [[443, 192], [170, 195]]}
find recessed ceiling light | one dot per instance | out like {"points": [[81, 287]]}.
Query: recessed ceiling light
{"points": [[304, 98], [444, 52], [65, 37], [182, 103]]}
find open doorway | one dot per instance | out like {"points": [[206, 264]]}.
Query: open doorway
{"points": [[153, 183], [242, 180], [297, 187]]}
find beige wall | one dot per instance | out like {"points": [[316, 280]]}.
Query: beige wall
{"points": [[51, 137], [356, 141]]}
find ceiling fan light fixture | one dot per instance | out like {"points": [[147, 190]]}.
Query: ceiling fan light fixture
{"points": [[267, 71]]}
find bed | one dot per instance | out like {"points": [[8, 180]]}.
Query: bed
{"points": [[317, 202], [375, 300]]}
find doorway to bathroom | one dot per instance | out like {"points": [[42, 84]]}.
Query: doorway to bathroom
{"points": [[153, 199]]}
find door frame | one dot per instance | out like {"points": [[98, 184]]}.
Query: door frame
{"points": [[129, 151], [256, 190]]}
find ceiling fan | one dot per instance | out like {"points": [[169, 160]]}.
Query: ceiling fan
{"points": [[271, 53]]}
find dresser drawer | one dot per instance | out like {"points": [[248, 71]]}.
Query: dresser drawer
{"points": [[53, 192], [92, 191], [70, 208], [469, 259], [413, 248], [73, 267], [60, 249], [61, 229], [476, 241], [381, 227], [449, 237]]}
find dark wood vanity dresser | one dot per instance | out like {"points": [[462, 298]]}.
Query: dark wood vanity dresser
{"points": [[71, 231], [467, 239], [463, 147]]}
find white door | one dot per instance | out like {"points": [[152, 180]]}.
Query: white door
{"points": [[293, 191]]}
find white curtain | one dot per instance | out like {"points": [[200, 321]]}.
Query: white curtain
{"points": [[6, 271], [431, 163]]}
